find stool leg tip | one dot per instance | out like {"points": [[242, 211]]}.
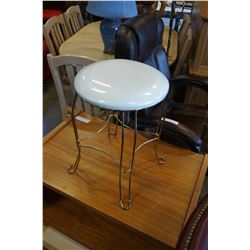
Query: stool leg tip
{"points": [[161, 160], [71, 169], [129, 205]]}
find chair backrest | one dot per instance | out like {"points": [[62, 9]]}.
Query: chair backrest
{"points": [[140, 39], [55, 33], [183, 51], [186, 24], [72, 64], [73, 19]]}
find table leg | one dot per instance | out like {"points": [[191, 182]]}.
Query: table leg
{"points": [[72, 169], [121, 171]]}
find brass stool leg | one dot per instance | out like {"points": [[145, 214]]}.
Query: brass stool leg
{"points": [[72, 169], [109, 130], [160, 159], [129, 203]]}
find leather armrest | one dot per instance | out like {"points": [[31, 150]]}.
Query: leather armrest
{"points": [[174, 131], [188, 135], [185, 80]]}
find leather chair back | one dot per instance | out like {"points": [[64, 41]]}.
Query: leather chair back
{"points": [[140, 39]]}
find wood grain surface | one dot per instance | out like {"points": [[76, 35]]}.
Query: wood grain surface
{"points": [[90, 228], [163, 196]]}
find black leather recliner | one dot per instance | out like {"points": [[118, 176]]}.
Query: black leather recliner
{"points": [[140, 39]]}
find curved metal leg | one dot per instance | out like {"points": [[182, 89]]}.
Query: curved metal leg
{"points": [[120, 169], [160, 159], [128, 202], [115, 133], [100, 130], [133, 157], [72, 169], [124, 204]]}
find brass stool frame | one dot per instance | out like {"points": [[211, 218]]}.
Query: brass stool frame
{"points": [[73, 168]]}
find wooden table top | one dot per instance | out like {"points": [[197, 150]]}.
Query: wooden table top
{"points": [[163, 196], [88, 42]]}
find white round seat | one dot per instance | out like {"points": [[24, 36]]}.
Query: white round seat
{"points": [[120, 84]]}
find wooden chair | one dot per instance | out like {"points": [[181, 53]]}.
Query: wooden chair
{"points": [[55, 33], [73, 19], [183, 29], [184, 46], [72, 64]]}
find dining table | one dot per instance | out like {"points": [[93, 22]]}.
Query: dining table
{"points": [[88, 42]]}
